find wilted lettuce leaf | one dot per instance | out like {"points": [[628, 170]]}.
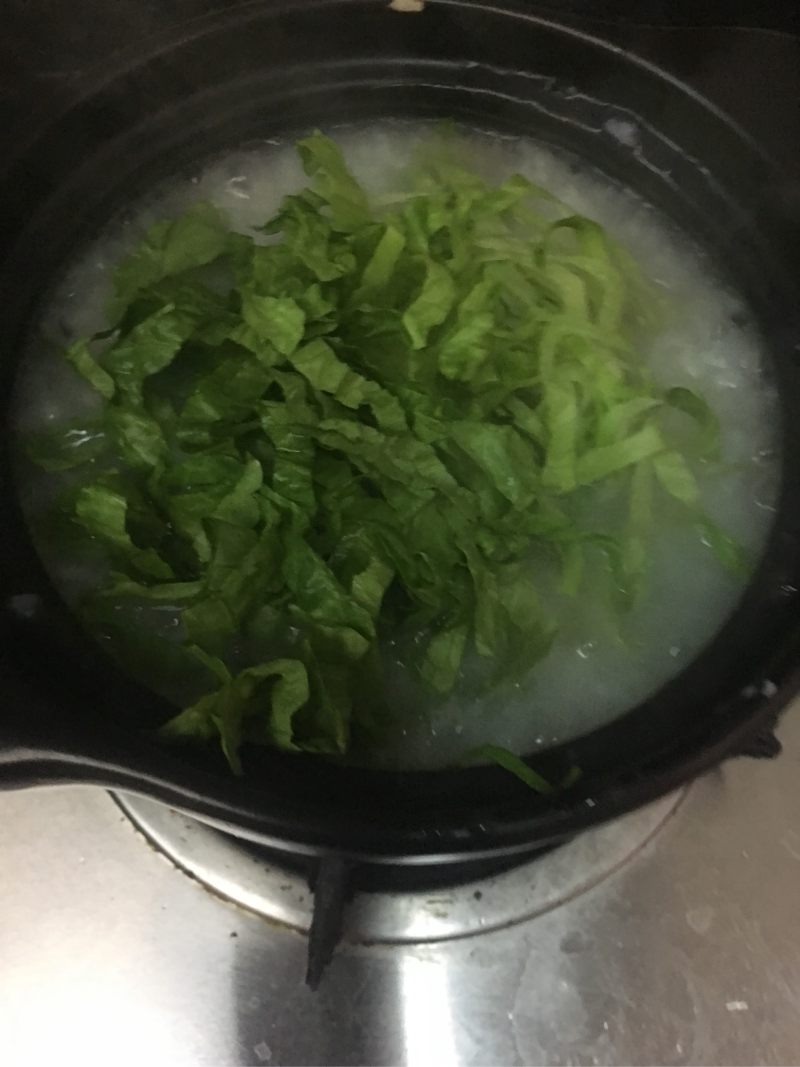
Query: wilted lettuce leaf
{"points": [[675, 476], [86, 365], [432, 304], [138, 437], [384, 419], [149, 347], [707, 423], [443, 658], [259, 703], [509, 762], [169, 248], [102, 511], [277, 320], [227, 394], [333, 183]]}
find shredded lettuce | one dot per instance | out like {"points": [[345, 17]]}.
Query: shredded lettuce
{"points": [[384, 419]]}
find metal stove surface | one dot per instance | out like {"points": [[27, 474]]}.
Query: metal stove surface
{"points": [[684, 949], [422, 906]]}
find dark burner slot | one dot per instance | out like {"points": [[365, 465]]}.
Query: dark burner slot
{"points": [[331, 892], [334, 880]]}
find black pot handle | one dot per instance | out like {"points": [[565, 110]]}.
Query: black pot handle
{"points": [[762, 743], [23, 768]]}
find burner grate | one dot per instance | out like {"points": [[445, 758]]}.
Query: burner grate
{"points": [[333, 898]]}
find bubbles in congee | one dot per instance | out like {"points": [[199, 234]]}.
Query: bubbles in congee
{"points": [[604, 656]]}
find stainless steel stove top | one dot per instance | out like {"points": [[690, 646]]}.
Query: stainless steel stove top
{"points": [[672, 936], [449, 909]]}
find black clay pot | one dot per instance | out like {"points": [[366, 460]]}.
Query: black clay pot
{"points": [[260, 69]]}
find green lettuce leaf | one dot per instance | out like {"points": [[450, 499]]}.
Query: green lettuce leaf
{"points": [[432, 304], [443, 658], [509, 762], [324, 163], [148, 348], [258, 703], [103, 512], [278, 320], [79, 355], [171, 247]]}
